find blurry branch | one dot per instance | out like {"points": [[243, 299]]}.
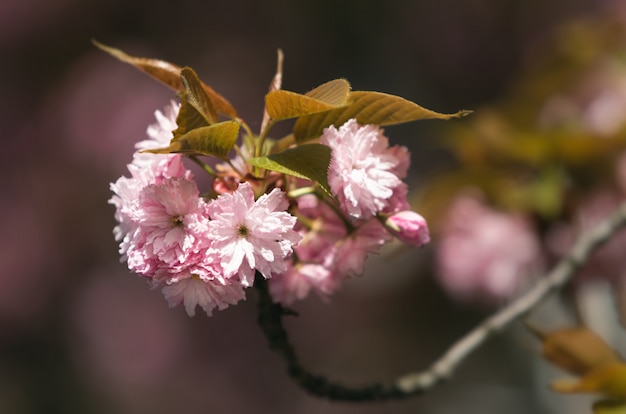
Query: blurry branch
{"points": [[270, 320]]}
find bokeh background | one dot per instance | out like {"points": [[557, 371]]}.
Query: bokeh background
{"points": [[79, 334]]}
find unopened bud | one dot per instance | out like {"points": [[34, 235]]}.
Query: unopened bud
{"points": [[409, 227]]}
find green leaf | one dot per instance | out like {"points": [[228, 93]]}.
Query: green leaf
{"points": [[197, 96], [282, 104], [188, 118], [170, 75], [217, 140], [305, 161], [367, 108], [196, 110]]}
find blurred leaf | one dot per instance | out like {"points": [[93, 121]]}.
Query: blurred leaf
{"points": [[584, 354], [367, 108], [492, 138], [608, 380], [503, 191], [217, 140], [577, 350], [609, 407], [546, 193], [169, 74], [541, 193], [583, 148], [305, 161]]}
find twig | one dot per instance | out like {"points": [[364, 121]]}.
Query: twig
{"points": [[270, 320]]}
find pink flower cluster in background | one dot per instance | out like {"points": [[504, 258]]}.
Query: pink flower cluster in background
{"points": [[204, 252]]}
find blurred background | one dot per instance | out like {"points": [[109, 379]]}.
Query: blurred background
{"points": [[537, 162]]}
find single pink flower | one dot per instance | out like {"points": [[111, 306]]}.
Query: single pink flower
{"points": [[353, 250], [249, 235], [363, 171], [323, 230], [486, 254], [160, 133], [172, 223], [125, 192], [409, 227], [145, 169], [191, 290], [153, 168], [299, 280], [330, 251]]}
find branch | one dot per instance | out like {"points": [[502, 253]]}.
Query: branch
{"points": [[270, 320]]}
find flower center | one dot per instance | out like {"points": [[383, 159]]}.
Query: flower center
{"points": [[243, 231], [176, 221]]}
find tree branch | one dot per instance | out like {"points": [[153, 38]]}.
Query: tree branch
{"points": [[270, 320]]}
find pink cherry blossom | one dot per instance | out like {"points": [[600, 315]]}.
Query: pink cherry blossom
{"points": [[171, 226], [152, 168], [332, 249], [325, 228], [350, 254], [192, 290], [364, 171], [484, 253], [126, 191], [298, 281], [409, 227], [249, 235], [146, 169]]}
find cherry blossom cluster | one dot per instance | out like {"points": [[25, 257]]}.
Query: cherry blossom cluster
{"points": [[204, 250]]}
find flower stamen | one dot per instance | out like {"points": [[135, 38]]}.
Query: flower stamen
{"points": [[176, 221]]}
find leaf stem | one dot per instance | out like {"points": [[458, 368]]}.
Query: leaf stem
{"points": [[261, 140], [284, 143], [207, 168], [299, 192], [245, 126], [337, 211]]}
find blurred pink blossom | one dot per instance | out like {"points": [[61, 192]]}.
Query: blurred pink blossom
{"points": [[483, 253], [596, 103]]}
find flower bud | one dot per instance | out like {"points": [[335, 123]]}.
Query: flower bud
{"points": [[409, 227]]}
